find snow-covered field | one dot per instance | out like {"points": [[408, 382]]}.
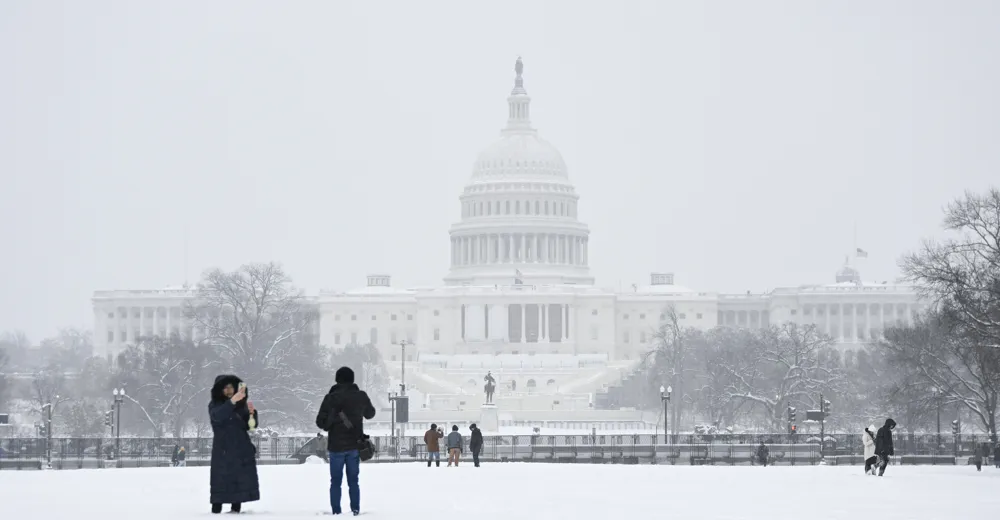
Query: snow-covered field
{"points": [[522, 491]]}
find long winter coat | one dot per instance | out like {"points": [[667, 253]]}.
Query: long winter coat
{"points": [[883, 439], [234, 457], [476, 442], [868, 439]]}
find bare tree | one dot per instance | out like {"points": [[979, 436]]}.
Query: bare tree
{"points": [[671, 361], [962, 274], [260, 327], [785, 368], [165, 378], [48, 388], [4, 361], [940, 352]]}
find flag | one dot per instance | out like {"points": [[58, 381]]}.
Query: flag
{"points": [[862, 253], [517, 277]]}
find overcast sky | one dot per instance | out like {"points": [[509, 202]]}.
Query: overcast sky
{"points": [[735, 144]]}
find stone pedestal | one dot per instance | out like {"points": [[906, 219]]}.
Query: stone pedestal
{"points": [[489, 419]]}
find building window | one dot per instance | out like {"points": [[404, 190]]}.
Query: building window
{"points": [[354, 317], [625, 337], [536, 208], [507, 207], [392, 337], [437, 334], [336, 339], [663, 316], [373, 317], [354, 338], [625, 316], [393, 317], [111, 337], [336, 317], [437, 312], [593, 312], [111, 315], [698, 316], [642, 337], [794, 312], [409, 317], [642, 316], [593, 333], [683, 316], [373, 336]]}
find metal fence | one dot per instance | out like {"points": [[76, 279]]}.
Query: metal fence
{"points": [[73, 453]]}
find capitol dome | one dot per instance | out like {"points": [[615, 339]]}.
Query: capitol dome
{"points": [[519, 211]]}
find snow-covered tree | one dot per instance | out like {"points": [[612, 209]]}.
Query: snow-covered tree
{"points": [[166, 381], [940, 352], [258, 324]]}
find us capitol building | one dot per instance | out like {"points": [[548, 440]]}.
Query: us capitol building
{"points": [[519, 300]]}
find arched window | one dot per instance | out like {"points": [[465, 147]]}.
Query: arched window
{"points": [[551, 382], [531, 383], [536, 208]]}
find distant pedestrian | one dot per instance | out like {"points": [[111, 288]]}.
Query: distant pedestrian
{"points": [[431, 438], [342, 415], [763, 452], [173, 456], [996, 455], [475, 444], [454, 446], [883, 445], [234, 457], [977, 457], [871, 460], [181, 457]]}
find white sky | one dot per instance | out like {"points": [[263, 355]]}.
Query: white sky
{"points": [[733, 143]]}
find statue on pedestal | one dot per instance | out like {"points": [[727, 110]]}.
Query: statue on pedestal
{"points": [[491, 386]]}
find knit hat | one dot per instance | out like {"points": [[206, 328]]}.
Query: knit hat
{"points": [[345, 376]]}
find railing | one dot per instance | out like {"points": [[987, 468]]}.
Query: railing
{"points": [[75, 453]]}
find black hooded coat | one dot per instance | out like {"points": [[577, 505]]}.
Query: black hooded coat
{"points": [[234, 457], [883, 439]]}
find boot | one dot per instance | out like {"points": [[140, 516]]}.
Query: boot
{"points": [[428, 463], [216, 509], [437, 463], [236, 508]]}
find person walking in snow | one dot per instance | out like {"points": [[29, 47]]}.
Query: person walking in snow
{"points": [[173, 456], [342, 414], [234, 457], [883, 445], [871, 460], [454, 446], [977, 457], [762, 453], [996, 455], [181, 456], [475, 444]]}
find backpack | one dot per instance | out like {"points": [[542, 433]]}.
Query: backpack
{"points": [[366, 450]]}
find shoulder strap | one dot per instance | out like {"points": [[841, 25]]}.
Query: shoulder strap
{"points": [[347, 422]]}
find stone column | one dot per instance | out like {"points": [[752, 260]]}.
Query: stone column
{"points": [[524, 323], [156, 321], [566, 321], [542, 336], [170, 322], [510, 250], [142, 321]]}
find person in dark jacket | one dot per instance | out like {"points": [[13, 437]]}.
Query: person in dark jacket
{"points": [[996, 456], [234, 457], [978, 454], [883, 445], [181, 457], [475, 443], [342, 442], [762, 453], [173, 456]]}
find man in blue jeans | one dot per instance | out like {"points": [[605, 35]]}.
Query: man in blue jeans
{"points": [[342, 442]]}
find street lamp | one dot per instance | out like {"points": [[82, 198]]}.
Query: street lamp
{"points": [[119, 398], [937, 400], [665, 398], [47, 409]]}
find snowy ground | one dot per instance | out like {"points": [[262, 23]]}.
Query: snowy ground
{"points": [[521, 491]]}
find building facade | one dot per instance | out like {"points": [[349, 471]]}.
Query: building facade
{"points": [[519, 300]]}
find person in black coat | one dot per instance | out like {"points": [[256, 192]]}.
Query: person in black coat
{"points": [[475, 443], [342, 441], [234, 457], [883, 445], [763, 452]]}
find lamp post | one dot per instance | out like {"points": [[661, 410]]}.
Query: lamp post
{"points": [[665, 398], [402, 385], [47, 407], [937, 401], [119, 398]]}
